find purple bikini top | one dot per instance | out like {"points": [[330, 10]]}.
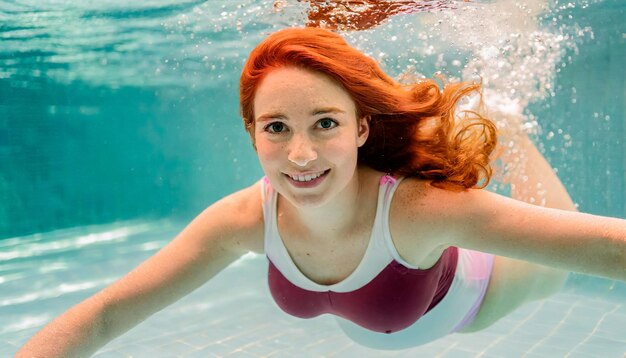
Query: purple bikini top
{"points": [[393, 300]]}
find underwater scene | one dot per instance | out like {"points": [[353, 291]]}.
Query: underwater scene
{"points": [[120, 122]]}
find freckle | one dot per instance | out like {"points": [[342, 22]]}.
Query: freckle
{"points": [[308, 254]]}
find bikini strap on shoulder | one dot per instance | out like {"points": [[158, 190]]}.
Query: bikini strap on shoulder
{"points": [[386, 179]]}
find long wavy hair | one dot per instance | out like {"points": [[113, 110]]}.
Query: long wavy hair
{"points": [[415, 129]]}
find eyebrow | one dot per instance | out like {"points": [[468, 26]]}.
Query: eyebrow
{"points": [[315, 112]]}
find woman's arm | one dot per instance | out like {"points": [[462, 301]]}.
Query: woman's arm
{"points": [[480, 220], [218, 236], [563, 239]]}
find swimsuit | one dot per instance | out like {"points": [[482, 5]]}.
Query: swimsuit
{"points": [[386, 303]]}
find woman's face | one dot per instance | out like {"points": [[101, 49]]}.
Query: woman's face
{"points": [[306, 135]]}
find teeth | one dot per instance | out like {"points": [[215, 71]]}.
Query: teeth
{"points": [[307, 177]]}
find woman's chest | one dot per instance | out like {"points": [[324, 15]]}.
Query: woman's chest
{"points": [[326, 261]]}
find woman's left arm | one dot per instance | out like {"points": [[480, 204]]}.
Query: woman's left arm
{"points": [[568, 240]]}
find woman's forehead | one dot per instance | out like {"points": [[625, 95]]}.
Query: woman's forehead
{"points": [[293, 88]]}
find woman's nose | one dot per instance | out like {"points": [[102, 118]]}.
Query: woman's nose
{"points": [[301, 151]]}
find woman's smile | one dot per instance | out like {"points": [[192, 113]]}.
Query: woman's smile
{"points": [[307, 180]]}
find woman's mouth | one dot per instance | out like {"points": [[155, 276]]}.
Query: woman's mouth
{"points": [[308, 180]]}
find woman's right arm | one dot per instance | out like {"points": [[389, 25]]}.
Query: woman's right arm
{"points": [[222, 233]]}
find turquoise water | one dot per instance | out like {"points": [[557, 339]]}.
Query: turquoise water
{"points": [[119, 123]]}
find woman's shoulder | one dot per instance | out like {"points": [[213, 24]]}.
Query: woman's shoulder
{"points": [[247, 200], [239, 217], [411, 194], [414, 200], [420, 194], [419, 207]]}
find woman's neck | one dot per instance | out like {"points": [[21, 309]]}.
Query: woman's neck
{"points": [[338, 217]]}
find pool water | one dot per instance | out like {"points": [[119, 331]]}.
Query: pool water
{"points": [[119, 123]]}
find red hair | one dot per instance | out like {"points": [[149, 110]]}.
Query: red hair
{"points": [[414, 130]]}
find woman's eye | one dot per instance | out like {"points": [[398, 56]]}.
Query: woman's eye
{"points": [[275, 127], [327, 123]]}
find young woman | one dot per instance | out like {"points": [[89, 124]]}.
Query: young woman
{"points": [[371, 209]]}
